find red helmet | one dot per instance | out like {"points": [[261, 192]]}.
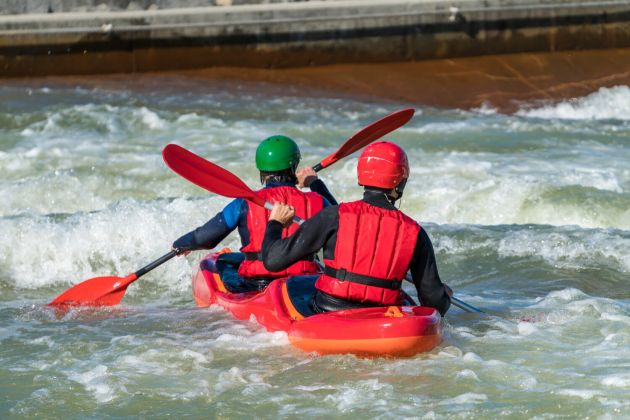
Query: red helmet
{"points": [[383, 165]]}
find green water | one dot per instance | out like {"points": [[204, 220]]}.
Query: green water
{"points": [[529, 215]]}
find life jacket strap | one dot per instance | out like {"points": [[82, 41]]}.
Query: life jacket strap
{"points": [[343, 275], [257, 256], [253, 256]]}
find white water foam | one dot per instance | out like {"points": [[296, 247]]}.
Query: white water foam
{"points": [[482, 188], [468, 374], [485, 109], [115, 241], [585, 394], [359, 394], [568, 247], [103, 118], [96, 381], [621, 380], [466, 398], [572, 298], [606, 103], [231, 378], [259, 340], [66, 151]]}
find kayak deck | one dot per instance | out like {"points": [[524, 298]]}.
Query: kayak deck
{"points": [[282, 306]]}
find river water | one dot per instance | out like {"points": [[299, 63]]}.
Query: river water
{"points": [[529, 214]]}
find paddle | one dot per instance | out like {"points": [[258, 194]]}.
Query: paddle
{"points": [[465, 306], [211, 177], [367, 135], [220, 181], [106, 290], [455, 301]]}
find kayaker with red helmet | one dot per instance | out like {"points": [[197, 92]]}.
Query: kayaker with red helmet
{"points": [[369, 245], [277, 158]]}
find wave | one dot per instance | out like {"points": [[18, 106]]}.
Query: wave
{"points": [[82, 171], [489, 189], [56, 250], [519, 261], [605, 104]]}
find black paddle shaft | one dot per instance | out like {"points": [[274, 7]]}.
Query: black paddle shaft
{"points": [[144, 270], [318, 167]]}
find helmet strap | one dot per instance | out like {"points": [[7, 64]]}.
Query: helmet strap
{"points": [[396, 193], [393, 196], [390, 194]]}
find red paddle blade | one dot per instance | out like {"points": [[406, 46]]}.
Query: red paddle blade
{"points": [[367, 135], [207, 175], [97, 291]]}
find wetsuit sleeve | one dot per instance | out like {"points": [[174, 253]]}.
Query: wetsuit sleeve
{"points": [[320, 188], [431, 290], [309, 238], [214, 231]]}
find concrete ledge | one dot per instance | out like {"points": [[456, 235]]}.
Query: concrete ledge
{"points": [[8, 7], [302, 34]]}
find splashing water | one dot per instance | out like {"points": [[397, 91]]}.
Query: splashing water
{"points": [[529, 215]]}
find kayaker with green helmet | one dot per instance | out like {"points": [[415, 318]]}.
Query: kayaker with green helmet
{"points": [[369, 245], [277, 158]]}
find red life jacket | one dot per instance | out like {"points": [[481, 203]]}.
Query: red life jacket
{"points": [[305, 204], [372, 254]]}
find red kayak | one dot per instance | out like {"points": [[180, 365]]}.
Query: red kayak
{"points": [[284, 306]]}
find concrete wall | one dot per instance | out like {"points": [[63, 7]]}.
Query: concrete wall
{"points": [[65, 6], [303, 34]]}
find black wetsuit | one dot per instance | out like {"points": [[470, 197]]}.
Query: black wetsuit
{"points": [[320, 231]]}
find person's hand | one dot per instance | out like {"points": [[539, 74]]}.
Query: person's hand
{"points": [[282, 213], [449, 291], [305, 177]]}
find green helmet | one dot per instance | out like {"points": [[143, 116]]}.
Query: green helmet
{"points": [[276, 153]]}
